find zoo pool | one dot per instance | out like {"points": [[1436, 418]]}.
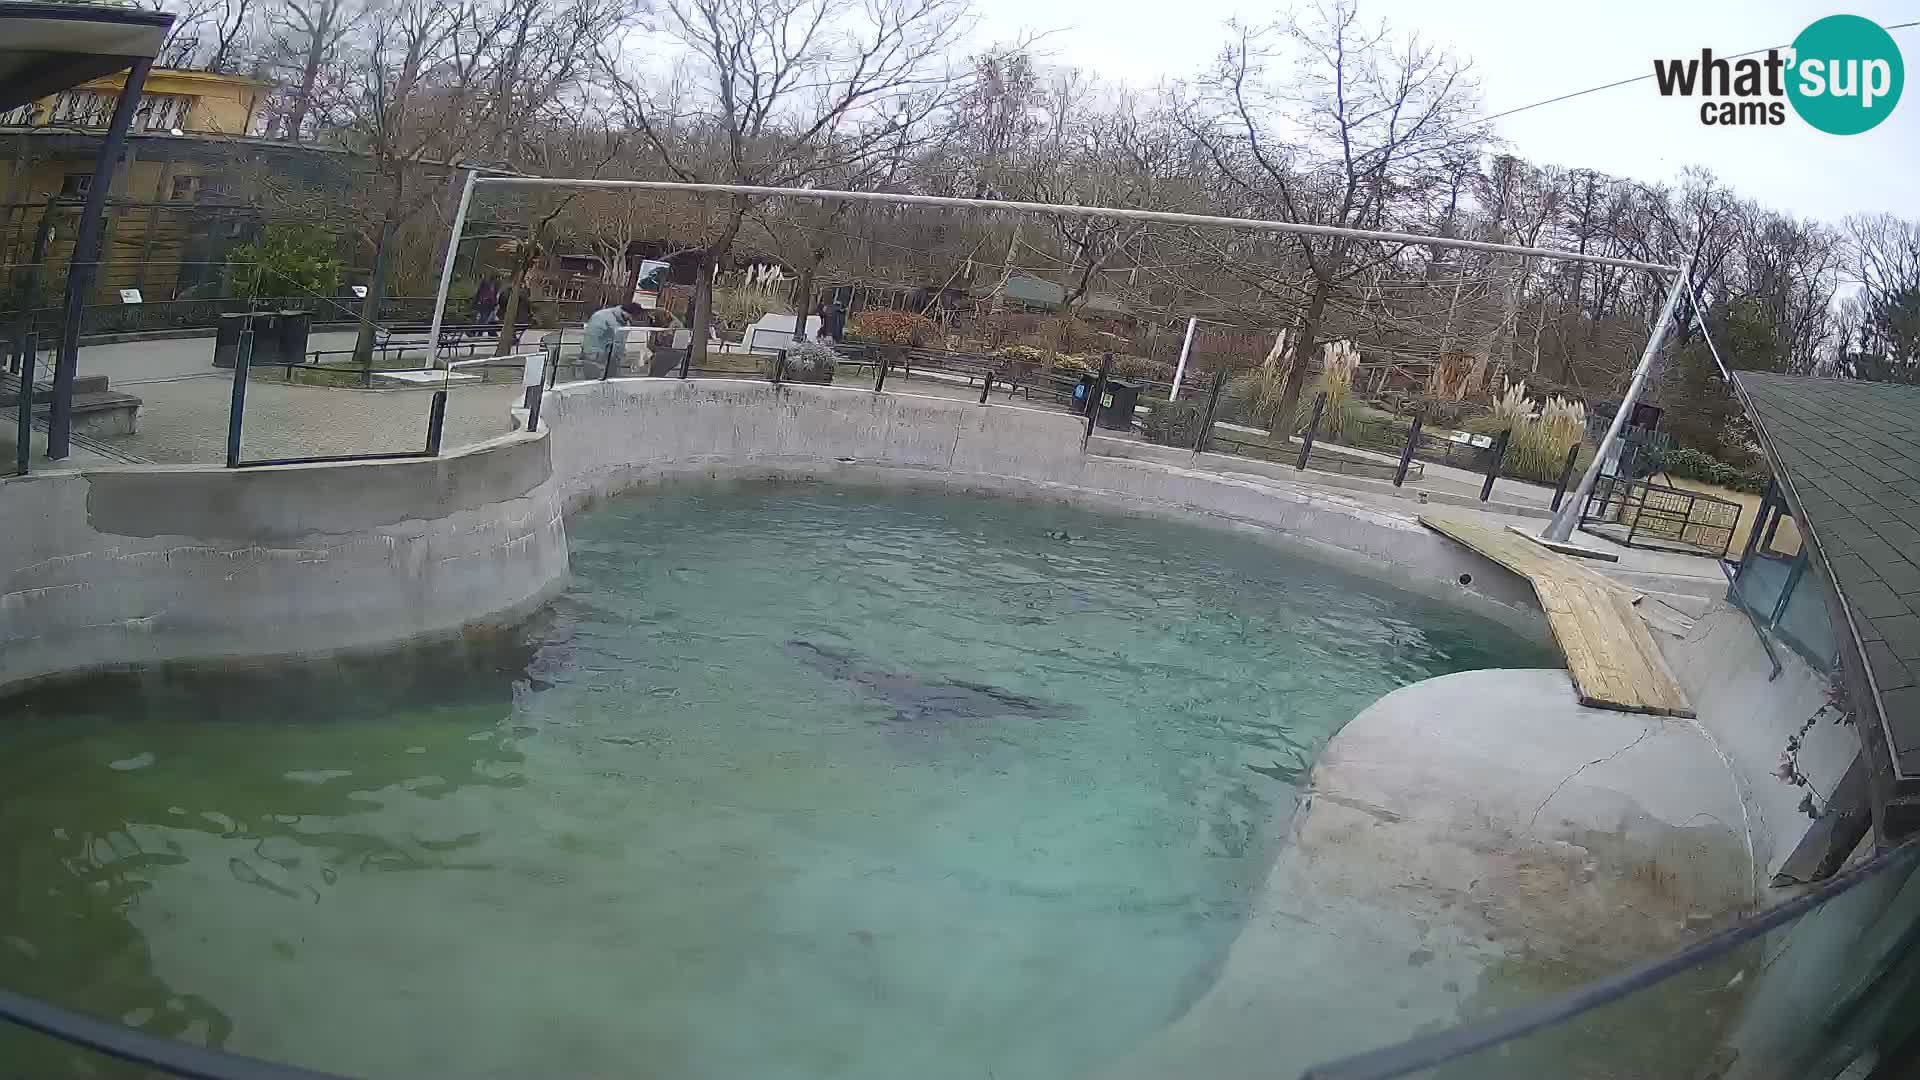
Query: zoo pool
{"points": [[791, 782]]}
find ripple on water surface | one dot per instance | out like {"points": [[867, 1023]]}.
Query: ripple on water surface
{"points": [[792, 782]]}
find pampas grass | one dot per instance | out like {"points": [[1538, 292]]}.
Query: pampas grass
{"points": [[1537, 449]]}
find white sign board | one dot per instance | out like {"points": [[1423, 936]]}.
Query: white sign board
{"points": [[130, 296], [360, 291], [653, 275]]}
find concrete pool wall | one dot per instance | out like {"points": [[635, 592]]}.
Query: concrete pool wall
{"points": [[612, 436], [126, 566], [114, 568]]}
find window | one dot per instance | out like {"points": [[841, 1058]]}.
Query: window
{"points": [[185, 189], [73, 185]]}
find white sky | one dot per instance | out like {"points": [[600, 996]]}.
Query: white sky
{"points": [[1527, 50]]}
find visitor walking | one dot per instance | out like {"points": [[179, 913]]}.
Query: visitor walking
{"points": [[486, 299]]}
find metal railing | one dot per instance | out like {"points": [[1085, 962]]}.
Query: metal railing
{"points": [[1643, 514]]}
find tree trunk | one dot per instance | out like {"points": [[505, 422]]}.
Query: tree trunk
{"points": [[1303, 347], [710, 261], [803, 302], [303, 98], [702, 310], [510, 311], [376, 295]]}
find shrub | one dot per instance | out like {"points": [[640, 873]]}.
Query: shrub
{"points": [[1174, 423], [1341, 360], [745, 305], [288, 261], [1022, 354], [1538, 444], [1076, 365], [1690, 464], [811, 361], [1140, 367], [892, 327]]}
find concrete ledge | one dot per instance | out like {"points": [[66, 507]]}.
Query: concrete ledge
{"points": [[132, 566]]}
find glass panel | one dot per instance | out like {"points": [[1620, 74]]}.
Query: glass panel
{"points": [[1759, 583], [1804, 624]]}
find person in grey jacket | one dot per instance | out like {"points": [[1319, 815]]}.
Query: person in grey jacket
{"points": [[603, 331]]}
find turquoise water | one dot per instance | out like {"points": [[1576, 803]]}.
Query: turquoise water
{"points": [[792, 782]]}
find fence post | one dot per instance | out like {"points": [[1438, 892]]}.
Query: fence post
{"points": [[534, 379], [1206, 418], [1406, 452], [436, 420], [779, 365], [1313, 428], [986, 386], [23, 432], [881, 379], [1493, 467], [237, 405], [1566, 475], [1093, 397]]}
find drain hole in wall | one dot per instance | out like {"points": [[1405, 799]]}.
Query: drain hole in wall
{"points": [[1466, 579]]}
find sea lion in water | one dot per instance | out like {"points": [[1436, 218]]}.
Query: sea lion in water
{"points": [[916, 699]]}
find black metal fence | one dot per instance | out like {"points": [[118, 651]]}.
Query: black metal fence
{"points": [[1643, 514]]}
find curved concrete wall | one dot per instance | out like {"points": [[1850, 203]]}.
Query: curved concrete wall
{"points": [[121, 567], [610, 436]]}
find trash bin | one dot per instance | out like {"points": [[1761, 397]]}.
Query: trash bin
{"points": [[226, 340], [266, 337], [291, 341], [1117, 403], [1080, 391]]}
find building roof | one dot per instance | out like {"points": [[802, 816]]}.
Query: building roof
{"points": [[45, 48], [1847, 454]]}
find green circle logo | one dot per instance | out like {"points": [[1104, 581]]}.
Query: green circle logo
{"points": [[1846, 75]]}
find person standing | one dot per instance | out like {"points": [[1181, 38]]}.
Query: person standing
{"points": [[603, 338], [486, 299], [833, 321]]}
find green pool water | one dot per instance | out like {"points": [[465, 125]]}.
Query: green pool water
{"points": [[792, 782]]}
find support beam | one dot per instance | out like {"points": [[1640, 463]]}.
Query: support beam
{"points": [[84, 268], [1560, 529]]}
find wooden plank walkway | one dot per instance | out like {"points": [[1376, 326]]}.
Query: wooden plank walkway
{"points": [[1612, 656]]}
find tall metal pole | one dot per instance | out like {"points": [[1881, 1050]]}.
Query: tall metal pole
{"points": [[446, 269], [1560, 529], [1120, 213], [84, 267], [1180, 369]]}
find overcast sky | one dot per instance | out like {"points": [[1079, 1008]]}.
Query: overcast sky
{"points": [[1525, 50]]}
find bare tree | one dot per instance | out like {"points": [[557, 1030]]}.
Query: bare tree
{"points": [[443, 82], [306, 37], [209, 35], [1356, 139], [780, 92], [1883, 257]]}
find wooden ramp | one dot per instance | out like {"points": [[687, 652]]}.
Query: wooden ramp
{"points": [[1612, 656]]}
